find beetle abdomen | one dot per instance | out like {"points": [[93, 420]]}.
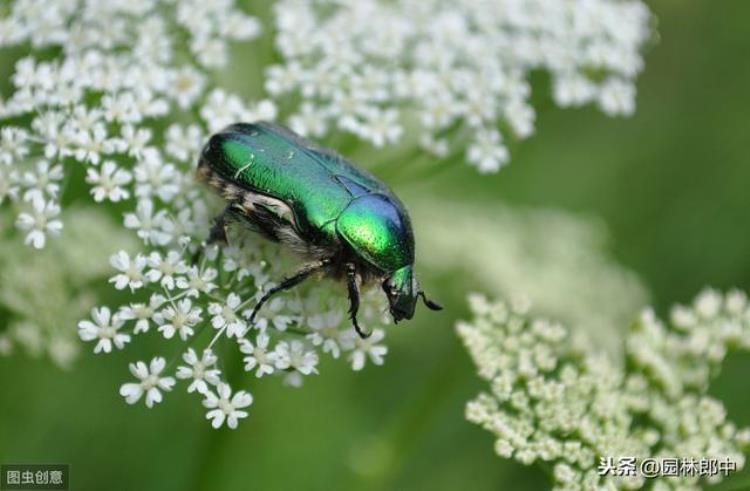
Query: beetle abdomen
{"points": [[255, 158], [269, 216]]}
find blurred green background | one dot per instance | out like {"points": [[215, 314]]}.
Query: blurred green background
{"points": [[671, 185]]}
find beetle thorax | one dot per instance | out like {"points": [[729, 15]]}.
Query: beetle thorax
{"points": [[378, 232]]}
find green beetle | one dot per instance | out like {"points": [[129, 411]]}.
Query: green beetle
{"points": [[341, 219]]}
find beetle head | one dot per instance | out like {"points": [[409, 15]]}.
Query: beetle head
{"points": [[402, 291]]}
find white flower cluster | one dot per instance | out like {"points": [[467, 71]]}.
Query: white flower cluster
{"points": [[102, 103], [210, 304], [125, 69], [553, 404], [129, 96], [455, 69]]}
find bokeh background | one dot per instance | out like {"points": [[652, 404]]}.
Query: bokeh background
{"points": [[670, 185]]}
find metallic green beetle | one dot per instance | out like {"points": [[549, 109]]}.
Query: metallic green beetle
{"points": [[341, 219]]}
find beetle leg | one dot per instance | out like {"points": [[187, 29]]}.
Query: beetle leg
{"points": [[351, 283], [288, 283], [218, 232]]}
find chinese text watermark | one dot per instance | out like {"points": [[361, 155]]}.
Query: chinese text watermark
{"points": [[34, 476], [665, 467]]}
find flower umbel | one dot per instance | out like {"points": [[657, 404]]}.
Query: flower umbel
{"points": [[130, 96], [550, 402], [459, 69]]}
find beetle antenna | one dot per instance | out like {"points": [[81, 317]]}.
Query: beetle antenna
{"points": [[429, 303]]}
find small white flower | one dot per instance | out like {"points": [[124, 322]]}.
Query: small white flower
{"points": [[105, 329], [142, 314], [150, 382], [222, 109], [154, 178], [521, 118], [83, 118], [274, 307], [40, 221], [133, 141], [617, 97], [184, 142], [90, 145], [182, 227], [381, 126], [708, 303], [178, 318], [364, 348], [225, 316], [203, 371], [131, 270], [165, 269], [9, 185], [223, 405], [238, 26], [294, 354], [186, 85], [259, 359], [45, 181], [107, 183], [210, 52], [487, 152], [13, 145], [121, 108], [149, 225], [25, 73], [436, 146], [310, 121], [283, 78], [573, 90], [147, 105], [57, 135], [263, 110], [439, 112], [197, 281], [326, 332], [294, 379], [736, 302]]}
